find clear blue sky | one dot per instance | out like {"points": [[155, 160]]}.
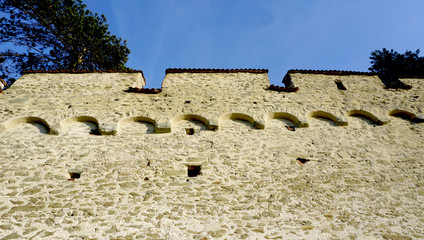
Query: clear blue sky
{"points": [[274, 34]]}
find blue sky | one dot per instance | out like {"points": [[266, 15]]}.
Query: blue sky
{"points": [[274, 34]]}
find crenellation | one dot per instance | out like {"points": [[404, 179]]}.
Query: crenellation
{"points": [[214, 155]]}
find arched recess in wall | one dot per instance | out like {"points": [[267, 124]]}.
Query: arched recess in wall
{"points": [[365, 115], [196, 123], [405, 115], [80, 125], [40, 124], [286, 116], [327, 116], [137, 125], [242, 118]]}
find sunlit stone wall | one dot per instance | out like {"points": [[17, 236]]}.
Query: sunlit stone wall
{"points": [[215, 155]]}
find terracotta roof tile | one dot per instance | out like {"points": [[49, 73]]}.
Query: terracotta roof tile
{"points": [[331, 72], [282, 89], [411, 76], [144, 90], [83, 71], [209, 70]]}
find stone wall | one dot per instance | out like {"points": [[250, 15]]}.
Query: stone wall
{"points": [[81, 158]]}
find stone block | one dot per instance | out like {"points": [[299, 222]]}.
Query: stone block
{"points": [[107, 129]]}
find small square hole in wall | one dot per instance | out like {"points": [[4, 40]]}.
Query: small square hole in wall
{"points": [[340, 85], [75, 175], [193, 170], [189, 131], [302, 161]]}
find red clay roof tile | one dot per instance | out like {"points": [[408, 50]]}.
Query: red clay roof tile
{"points": [[209, 70], [83, 71], [331, 72]]}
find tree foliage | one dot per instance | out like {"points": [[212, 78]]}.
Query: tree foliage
{"points": [[56, 35], [390, 66]]}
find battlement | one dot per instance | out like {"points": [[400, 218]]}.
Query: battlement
{"points": [[214, 153], [207, 95]]}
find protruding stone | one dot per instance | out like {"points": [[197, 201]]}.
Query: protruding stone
{"points": [[107, 129], [163, 127]]}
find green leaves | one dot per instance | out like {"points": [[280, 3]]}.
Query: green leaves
{"points": [[57, 34], [390, 65]]}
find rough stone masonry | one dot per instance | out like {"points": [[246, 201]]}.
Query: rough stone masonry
{"points": [[216, 154]]}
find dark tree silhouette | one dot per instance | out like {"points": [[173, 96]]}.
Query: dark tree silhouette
{"points": [[56, 35], [390, 66]]}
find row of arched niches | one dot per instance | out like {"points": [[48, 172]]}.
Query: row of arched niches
{"points": [[192, 123]]}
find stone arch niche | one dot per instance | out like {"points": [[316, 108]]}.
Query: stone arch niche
{"points": [[35, 124], [366, 116], [81, 125], [412, 117], [326, 116], [241, 119], [190, 124], [136, 125], [288, 118]]}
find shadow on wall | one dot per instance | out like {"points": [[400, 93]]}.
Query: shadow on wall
{"points": [[192, 123], [135, 125], [81, 125], [288, 118], [366, 116], [413, 118], [243, 119], [42, 126], [199, 121], [326, 116]]}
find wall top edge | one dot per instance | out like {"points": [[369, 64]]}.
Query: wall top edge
{"points": [[85, 72], [331, 72], [82, 71], [210, 70]]}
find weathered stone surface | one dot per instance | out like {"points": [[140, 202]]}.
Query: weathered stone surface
{"points": [[362, 180], [27, 208]]}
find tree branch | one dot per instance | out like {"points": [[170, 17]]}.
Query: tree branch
{"points": [[48, 27], [33, 48]]}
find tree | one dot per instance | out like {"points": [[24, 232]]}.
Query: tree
{"points": [[56, 35], [390, 65]]}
